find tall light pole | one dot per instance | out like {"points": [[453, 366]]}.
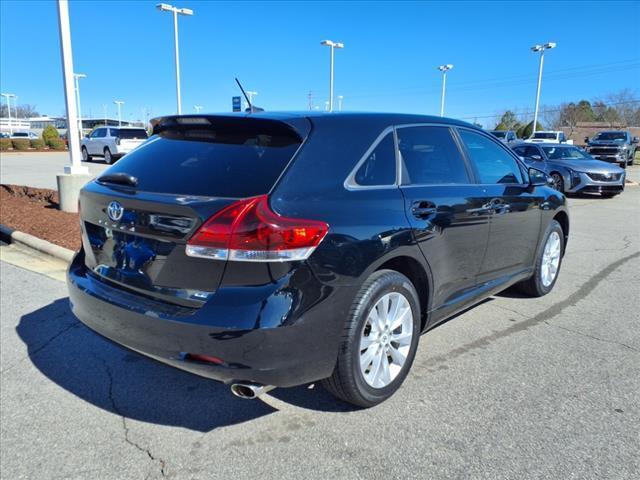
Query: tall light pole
{"points": [[8, 96], [197, 108], [541, 49], [76, 77], [75, 175], [119, 103], [332, 45], [340, 97], [444, 69], [163, 7]]}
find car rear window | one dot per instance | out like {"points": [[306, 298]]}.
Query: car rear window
{"points": [[208, 161], [130, 133]]}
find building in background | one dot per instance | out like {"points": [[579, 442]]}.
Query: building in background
{"points": [[38, 124]]}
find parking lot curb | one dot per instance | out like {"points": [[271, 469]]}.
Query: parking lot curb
{"points": [[9, 235]]}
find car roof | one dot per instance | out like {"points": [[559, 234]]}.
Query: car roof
{"points": [[387, 118]]}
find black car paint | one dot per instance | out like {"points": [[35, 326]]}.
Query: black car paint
{"points": [[280, 323]]}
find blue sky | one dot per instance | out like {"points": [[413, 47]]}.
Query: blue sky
{"points": [[389, 62]]}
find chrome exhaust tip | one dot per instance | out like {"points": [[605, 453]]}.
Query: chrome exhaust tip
{"points": [[250, 391]]}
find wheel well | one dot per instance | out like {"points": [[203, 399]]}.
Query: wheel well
{"points": [[563, 219], [412, 269]]}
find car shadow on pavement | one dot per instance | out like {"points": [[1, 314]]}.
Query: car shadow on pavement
{"points": [[123, 382]]}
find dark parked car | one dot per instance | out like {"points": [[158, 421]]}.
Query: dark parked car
{"points": [[268, 250], [507, 137], [573, 170], [615, 147]]}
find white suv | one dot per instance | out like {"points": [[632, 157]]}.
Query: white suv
{"points": [[111, 142]]}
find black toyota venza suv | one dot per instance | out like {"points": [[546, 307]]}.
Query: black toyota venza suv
{"points": [[267, 250]]}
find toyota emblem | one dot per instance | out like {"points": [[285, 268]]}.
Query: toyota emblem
{"points": [[115, 211]]}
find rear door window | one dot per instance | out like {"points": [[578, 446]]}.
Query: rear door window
{"points": [[380, 166], [493, 162], [430, 156], [207, 161]]}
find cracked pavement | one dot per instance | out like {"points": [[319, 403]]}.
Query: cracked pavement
{"points": [[513, 388]]}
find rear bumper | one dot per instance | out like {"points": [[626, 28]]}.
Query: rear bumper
{"points": [[261, 334]]}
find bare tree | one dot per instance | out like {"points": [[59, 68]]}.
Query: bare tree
{"points": [[551, 117], [21, 111], [623, 107]]}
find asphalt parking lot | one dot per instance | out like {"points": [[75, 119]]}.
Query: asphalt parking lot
{"points": [[39, 169], [513, 388]]}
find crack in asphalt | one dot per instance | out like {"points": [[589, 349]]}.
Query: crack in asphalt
{"points": [[593, 337], [501, 307], [125, 427], [542, 317], [625, 239], [37, 350]]}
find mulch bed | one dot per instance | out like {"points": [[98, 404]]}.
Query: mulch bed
{"points": [[35, 211]]}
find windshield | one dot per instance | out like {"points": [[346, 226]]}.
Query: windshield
{"points": [[610, 136], [499, 133], [545, 135], [565, 153]]}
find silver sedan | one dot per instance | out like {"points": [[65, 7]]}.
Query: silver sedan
{"points": [[572, 169]]}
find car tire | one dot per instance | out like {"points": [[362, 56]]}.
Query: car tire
{"points": [[539, 284], [558, 182], [108, 158], [85, 155], [363, 385]]}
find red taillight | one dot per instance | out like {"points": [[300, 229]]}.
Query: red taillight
{"points": [[249, 231]]}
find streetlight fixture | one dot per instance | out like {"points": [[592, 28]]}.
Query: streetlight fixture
{"points": [[8, 96], [444, 69], [197, 108], [541, 49], [119, 103], [332, 45], [163, 7], [76, 77]]}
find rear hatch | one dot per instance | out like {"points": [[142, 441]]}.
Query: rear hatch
{"points": [[138, 216]]}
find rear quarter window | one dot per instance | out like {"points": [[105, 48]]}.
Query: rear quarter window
{"points": [[380, 166]]}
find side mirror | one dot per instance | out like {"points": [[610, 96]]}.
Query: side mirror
{"points": [[586, 139], [537, 177], [635, 140]]}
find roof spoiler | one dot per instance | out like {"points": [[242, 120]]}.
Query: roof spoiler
{"points": [[299, 126]]}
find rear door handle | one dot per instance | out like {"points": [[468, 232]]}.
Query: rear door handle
{"points": [[423, 209]]}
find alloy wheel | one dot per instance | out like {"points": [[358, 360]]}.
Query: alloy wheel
{"points": [[558, 184], [386, 339], [550, 259]]}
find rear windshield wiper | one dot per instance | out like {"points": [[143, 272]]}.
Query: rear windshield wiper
{"points": [[119, 179]]}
